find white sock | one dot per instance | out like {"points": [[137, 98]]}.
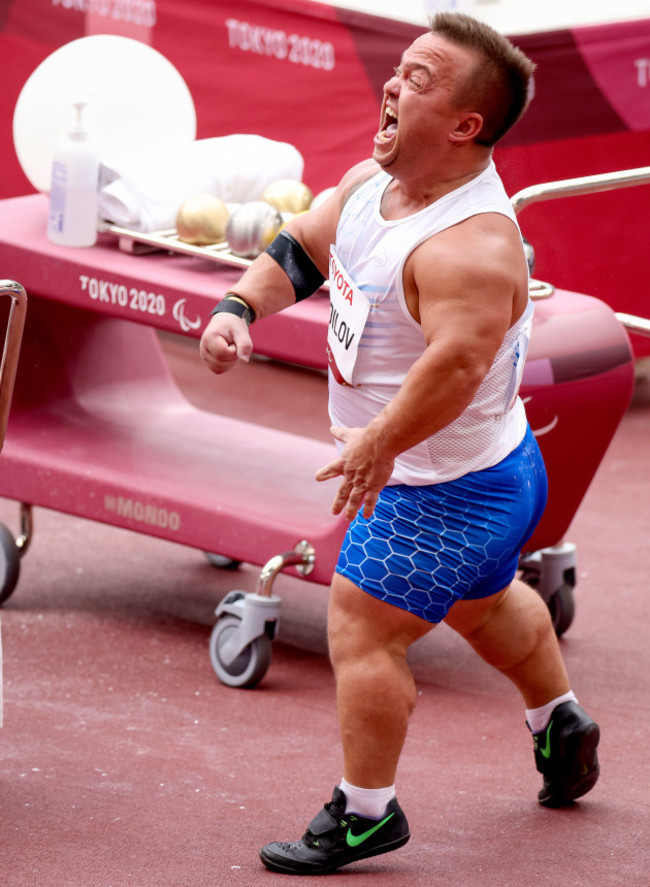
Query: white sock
{"points": [[368, 802], [538, 718]]}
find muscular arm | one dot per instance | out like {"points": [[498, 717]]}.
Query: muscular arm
{"points": [[466, 286], [266, 287]]}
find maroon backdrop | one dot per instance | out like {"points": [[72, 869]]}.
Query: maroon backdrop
{"points": [[311, 74]]}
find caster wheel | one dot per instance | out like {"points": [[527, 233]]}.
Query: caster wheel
{"points": [[9, 563], [248, 669], [221, 561], [562, 607]]}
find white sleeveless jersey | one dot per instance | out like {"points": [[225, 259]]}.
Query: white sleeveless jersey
{"points": [[373, 252]]}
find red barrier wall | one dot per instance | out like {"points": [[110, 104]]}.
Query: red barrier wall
{"points": [[311, 74]]}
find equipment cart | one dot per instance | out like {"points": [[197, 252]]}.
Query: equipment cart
{"points": [[99, 429]]}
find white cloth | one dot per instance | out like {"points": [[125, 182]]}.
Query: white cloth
{"points": [[143, 190]]}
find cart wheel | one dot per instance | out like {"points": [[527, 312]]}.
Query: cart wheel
{"points": [[9, 563], [562, 607], [221, 561], [250, 666]]}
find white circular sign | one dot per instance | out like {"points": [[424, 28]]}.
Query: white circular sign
{"points": [[134, 97]]}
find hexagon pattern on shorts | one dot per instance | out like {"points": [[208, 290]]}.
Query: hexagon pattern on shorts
{"points": [[454, 544], [425, 547]]}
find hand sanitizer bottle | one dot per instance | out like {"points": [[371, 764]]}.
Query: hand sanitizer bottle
{"points": [[72, 219]]}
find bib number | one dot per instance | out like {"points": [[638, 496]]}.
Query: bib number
{"points": [[348, 314]]}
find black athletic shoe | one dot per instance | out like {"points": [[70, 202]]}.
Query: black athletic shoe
{"points": [[565, 755], [335, 838]]}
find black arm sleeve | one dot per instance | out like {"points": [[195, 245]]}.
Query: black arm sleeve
{"points": [[294, 261]]}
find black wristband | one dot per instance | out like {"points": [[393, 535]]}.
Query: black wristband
{"points": [[234, 304]]}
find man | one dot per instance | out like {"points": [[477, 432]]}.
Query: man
{"points": [[441, 477]]}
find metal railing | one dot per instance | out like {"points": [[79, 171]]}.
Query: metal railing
{"points": [[11, 350], [610, 181], [625, 178]]}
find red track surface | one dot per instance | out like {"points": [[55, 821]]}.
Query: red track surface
{"points": [[125, 762]]}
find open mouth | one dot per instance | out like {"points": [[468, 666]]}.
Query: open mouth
{"points": [[388, 129]]}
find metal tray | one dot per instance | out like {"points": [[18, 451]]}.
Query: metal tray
{"points": [[140, 243]]}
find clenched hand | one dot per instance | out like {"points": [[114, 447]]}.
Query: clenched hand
{"points": [[225, 340]]}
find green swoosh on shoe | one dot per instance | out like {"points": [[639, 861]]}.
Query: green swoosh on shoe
{"points": [[355, 840], [546, 748]]}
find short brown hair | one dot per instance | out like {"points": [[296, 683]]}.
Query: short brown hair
{"points": [[499, 85]]}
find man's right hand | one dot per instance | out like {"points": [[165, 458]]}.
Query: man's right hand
{"points": [[225, 340]]}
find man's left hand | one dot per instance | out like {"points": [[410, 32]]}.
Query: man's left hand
{"points": [[365, 471]]}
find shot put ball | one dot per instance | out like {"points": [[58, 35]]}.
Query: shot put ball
{"points": [[288, 195], [251, 228], [202, 220]]}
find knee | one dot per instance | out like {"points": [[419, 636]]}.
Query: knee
{"points": [[358, 642], [349, 637], [512, 630], [341, 632], [368, 670]]}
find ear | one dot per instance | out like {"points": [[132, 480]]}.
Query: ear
{"points": [[467, 128]]}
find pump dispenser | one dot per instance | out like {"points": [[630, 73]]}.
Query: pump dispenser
{"points": [[72, 219]]}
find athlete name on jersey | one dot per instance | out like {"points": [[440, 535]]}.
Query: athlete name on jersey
{"points": [[348, 314]]}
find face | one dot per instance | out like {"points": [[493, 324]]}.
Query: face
{"points": [[418, 112]]}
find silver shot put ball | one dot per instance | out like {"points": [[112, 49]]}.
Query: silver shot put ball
{"points": [[251, 228]]}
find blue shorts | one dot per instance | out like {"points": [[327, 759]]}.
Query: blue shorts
{"points": [[425, 548]]}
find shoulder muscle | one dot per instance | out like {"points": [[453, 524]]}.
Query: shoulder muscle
{"points": [[316, 229]]}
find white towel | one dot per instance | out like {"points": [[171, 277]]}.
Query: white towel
{"points": [[144, 190]]}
